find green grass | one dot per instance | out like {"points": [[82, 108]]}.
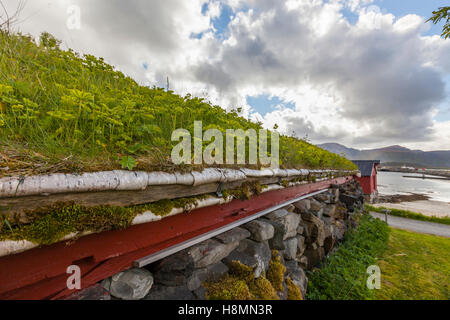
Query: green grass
{"points": [[415, 266], [409, 214], [62, 112], [344, 275]]}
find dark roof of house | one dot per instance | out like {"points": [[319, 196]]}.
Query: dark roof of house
{"points": [[366, 166]]}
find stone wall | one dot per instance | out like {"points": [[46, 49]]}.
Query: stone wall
{"points": [[303, 233]]}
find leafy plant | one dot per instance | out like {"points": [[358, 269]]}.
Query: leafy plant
{"points": [[128, 163], [55, 103], [443, 13]]}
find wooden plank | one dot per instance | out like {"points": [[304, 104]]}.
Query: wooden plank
{"points": [[20, 205]]}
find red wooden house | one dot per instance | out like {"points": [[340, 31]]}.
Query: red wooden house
{"points": [[368, 180]]}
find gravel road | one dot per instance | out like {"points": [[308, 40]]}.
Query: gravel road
{"points": [[437, 229]]}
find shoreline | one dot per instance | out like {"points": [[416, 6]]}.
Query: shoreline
{"points": [[418, 203]]}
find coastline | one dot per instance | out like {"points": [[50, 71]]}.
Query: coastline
{"points": [[415, 203]]}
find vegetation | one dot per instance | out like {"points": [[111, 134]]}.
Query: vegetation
{"points": [[246, 191], [62, 112], [48, 225], [276, 271], [240, 283], [443, 13], [294, 292], [415, 266], [409, 214], [344, 275]]}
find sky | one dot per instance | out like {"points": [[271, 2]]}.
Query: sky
{"points": [[363, 73]]}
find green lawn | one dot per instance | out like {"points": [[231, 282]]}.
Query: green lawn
{"points": [[344, 275], [415, 266]]}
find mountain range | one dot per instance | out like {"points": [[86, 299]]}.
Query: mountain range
{"points": [[394, 155]]}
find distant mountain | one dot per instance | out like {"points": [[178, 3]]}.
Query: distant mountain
{"points": [[394, 154]]}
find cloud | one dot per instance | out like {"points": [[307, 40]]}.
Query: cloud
{"points": [[374, 82]]}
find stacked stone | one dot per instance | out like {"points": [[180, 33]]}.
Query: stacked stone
{"points": [[325, 220], [278, 231], [304, 233]]}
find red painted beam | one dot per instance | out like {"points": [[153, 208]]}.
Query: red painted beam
{"points": [[41, 273]]}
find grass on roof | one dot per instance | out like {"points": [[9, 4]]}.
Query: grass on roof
{"points": [[63, 112]]}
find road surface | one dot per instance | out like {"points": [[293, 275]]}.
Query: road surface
{"points": [[436, 229]]}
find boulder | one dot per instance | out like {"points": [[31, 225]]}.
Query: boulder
{"points": [[260, 230], [289, 220], [349, 200], [133, 284], [325, 197], [277, 215], [180, 261], [96, 292], [301, 246], [299, 278], [330, 210], [174, 270], [315, 229], [290, 208], [303, 262], [303, 206], [339, 230], [260, 251], [234, 235], [200, 293], [291, 266], [335, 194], [210, 252], [328, 221], [211, 273], [328, 245], [290, 253], [315, 255], [159, 292], [341, 212], [277, 242], [247, 260], [316, 207]]}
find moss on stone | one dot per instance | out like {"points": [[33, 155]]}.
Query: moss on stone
{"points": [[228, 288], [262, 289], [240, 284], [276, 271], [294, 292], [246, 191], [241, 271]]}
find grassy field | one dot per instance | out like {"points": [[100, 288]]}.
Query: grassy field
{"points": [[344, 275], [415, 266], [62, 112], [409, 214]]}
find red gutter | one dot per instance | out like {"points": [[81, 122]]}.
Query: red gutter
{"points": [[41, 272]]}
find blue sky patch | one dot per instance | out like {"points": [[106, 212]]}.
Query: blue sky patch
{"points": [[401, 8], [264, 103]]}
